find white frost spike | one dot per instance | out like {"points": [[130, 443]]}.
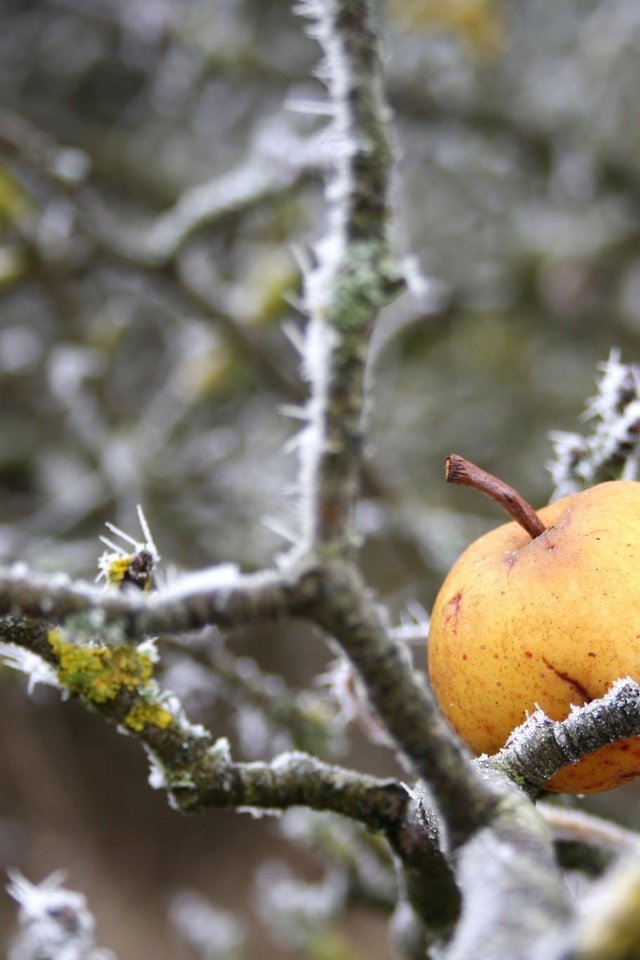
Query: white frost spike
{"points": [[414, 624], [294, 412], [210, 578], [280, 529], [146, 544], [614, 443], [144, 526], [36, 669], [157, 778], [314, 108]]}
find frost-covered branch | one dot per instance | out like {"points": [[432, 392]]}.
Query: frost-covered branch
{"points": [[335, 597], [196, 769], [199, 774], [612, 450], [354, 275], [276, 161], [205, 929], [540, 747], [219, 596], [513, 890], [401, 700]]}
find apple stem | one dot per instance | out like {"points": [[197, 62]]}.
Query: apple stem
{"points": [[466, 474]]}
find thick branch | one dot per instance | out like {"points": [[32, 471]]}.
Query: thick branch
{"points": [[334, 597], [510, 883], [404, 704], [513, 892], [200, 774]]}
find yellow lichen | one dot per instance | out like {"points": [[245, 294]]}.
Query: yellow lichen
{"points": [[480, 24], [117, 569], [99, 673], [133, 568], [147, 714]]}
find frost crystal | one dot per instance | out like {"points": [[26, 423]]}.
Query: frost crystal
{"points": [[157, 778], [170, 702], [221, 750], [37, 669], [148, 648], [211, 578], [55, 922]]}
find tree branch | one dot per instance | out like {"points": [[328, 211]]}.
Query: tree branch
{"points": [[355, 274], [541, 747], [219, 596], [513, 891], [586, 842], [265, 175], [199, 774], [403, 703], [576, 826]]}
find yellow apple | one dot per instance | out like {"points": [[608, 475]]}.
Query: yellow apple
{"points": [[550, 620]]}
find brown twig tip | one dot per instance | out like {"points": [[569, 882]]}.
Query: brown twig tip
{"points": [[466, 474]]}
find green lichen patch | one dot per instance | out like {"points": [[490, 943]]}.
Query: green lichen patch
{"points": [[367, 281]]}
